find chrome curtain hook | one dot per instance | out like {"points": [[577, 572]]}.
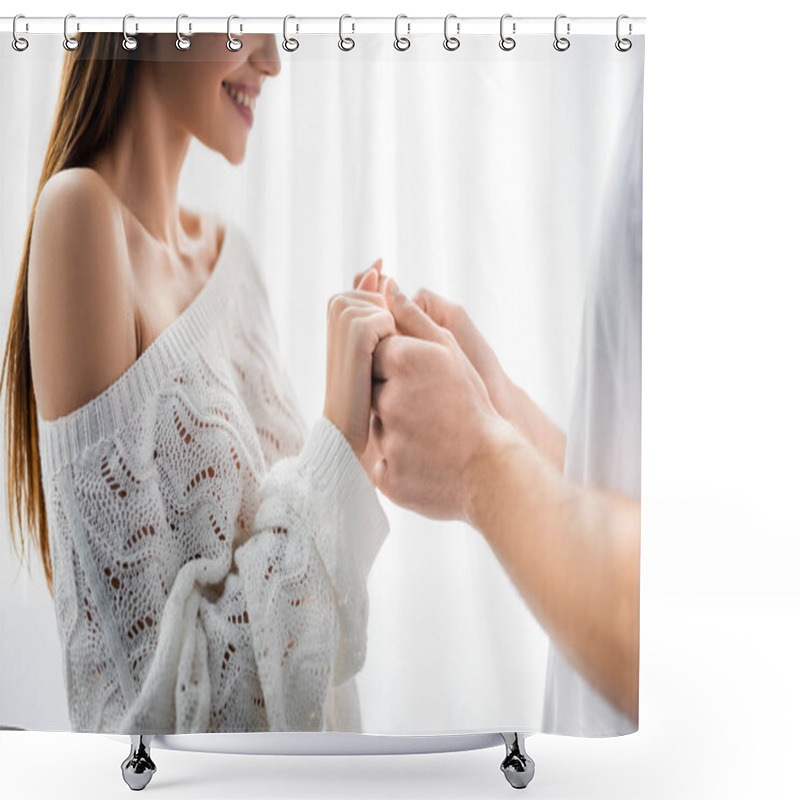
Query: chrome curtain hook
{"points": [[70, 42], [342, 39], [129, 42], [561, 43], [401, 43], [623, 45], [19, 43], [233, 44], [289, 44], [182, 43], [451, 42], [506, 42]]}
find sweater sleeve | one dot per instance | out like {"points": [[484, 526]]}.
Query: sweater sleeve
{"points": [[305, 576], [247, 637]]}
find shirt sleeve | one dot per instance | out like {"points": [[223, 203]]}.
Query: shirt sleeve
{"points": [[263, 630]]}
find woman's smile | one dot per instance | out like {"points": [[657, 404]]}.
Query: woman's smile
{"points": [[243, 97]]}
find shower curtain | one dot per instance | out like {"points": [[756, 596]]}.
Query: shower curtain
{"points": [[504, 182]]}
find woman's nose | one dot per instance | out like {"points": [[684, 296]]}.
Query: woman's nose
{"points": [[264, 56]]}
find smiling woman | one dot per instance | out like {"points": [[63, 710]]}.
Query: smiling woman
{"points": [[195, 86], [209, 554]]}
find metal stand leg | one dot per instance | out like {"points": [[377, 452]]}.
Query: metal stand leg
{"points": [[517, 766], [138, 767]]}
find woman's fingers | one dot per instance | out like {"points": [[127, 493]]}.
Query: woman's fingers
{"points": [[376, 266], [355, 328], [378, 320], [356, 297], [369, 281]]}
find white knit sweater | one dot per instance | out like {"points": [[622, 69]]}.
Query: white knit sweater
{"points": [[210, 556]]}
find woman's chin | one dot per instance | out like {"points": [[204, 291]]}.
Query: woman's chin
{"points": [[234, 155]]}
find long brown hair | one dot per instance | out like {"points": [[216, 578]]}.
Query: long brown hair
{"points": [[96, 81]]}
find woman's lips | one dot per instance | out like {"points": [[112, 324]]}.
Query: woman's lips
{"points": [[245, 110]]}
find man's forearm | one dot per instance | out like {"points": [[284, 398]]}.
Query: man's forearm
{"points": [[572, 552], [531, 421]]}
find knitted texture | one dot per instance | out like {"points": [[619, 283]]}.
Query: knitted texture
{"points": [[210, 555]]}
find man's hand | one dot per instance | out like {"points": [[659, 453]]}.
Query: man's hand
{"points": [[511, 402], [475, 347], [433, 413]]}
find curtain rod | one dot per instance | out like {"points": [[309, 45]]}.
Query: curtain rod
{"points": [[324, 25]]}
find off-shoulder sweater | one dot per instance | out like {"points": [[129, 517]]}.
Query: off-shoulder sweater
{"points": [[210, 555]]}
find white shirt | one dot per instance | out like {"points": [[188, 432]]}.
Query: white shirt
{"points": [[604, 436]]}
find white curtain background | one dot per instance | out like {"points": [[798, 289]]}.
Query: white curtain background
{"points": [[478, 173]]}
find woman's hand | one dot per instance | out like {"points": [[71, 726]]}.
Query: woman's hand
{"points": [[381, 277], [372, 453], [357, 321]]}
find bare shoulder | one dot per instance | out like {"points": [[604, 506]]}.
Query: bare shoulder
{"points": [[76, 194], [82, 324]]}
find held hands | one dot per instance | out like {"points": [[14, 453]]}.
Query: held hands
{"points": [[437, 396], [433, 414], [455, 319]]}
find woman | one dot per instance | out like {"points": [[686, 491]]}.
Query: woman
{"points": [[207, 556]]}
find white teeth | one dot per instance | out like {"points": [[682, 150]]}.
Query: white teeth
{"points": [[241, 98]]}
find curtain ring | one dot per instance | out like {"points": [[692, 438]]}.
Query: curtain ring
{"points": [[623, 45], [401, 42], [350, 42], [233, 44], [451, 42], [19, 43], [506, 42], [70, 42], [561, 43], [129, 42], [289, 44], [182, 43]]}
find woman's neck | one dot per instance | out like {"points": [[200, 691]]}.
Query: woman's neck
{"points": [[143, 163]]}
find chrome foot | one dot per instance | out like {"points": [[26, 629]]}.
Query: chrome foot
{"points": [[138, 767], [517, 766]]}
